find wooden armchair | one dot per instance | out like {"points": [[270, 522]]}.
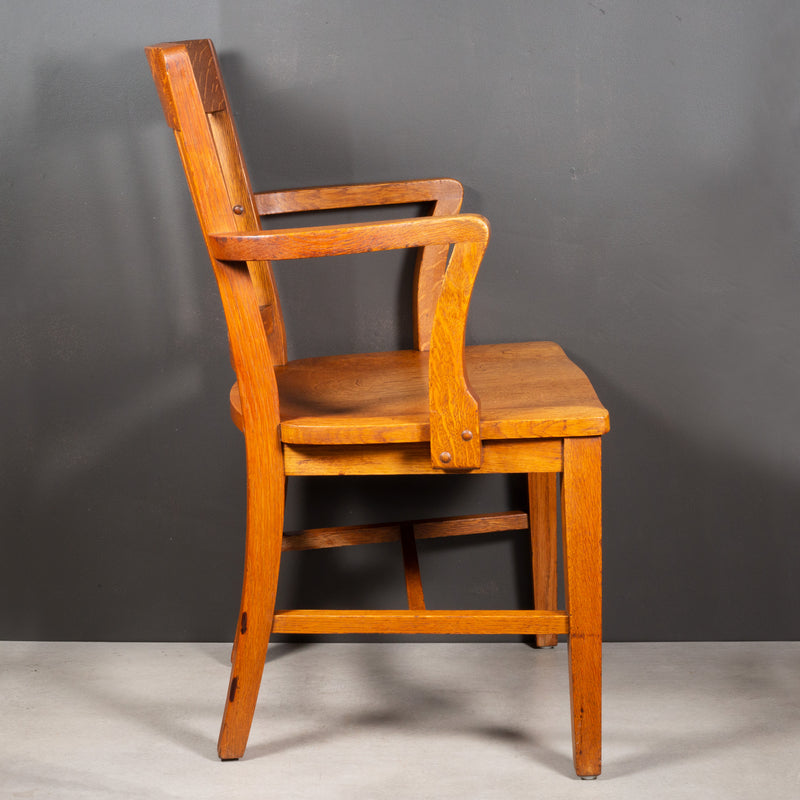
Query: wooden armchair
{"points": [[439, 408]]}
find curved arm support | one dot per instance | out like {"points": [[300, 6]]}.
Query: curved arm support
{"points": [[454, 408]]}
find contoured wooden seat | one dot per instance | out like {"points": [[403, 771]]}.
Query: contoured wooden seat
{"points": [[439, 408]]}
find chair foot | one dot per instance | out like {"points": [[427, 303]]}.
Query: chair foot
{"points": [[588, 777], [242, 694]]}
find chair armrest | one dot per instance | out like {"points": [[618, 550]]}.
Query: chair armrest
{"points": [[334, 240], [446, 192], [454, 409]]}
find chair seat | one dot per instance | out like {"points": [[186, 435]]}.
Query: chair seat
{"points": [[529, 390]]}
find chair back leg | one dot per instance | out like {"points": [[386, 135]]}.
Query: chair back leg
{"points": [[265, 511], [542, 510]]}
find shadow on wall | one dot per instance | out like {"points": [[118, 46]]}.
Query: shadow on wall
{"points": [[112, 329], [122, 473]]}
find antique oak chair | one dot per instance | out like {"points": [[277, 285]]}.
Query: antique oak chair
{"points": [[439, 408]]}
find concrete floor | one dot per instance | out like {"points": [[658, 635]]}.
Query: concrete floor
{"points": [[397, 721]]}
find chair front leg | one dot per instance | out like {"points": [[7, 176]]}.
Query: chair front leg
{"points": [[265, 508], [542, 512], [581, 528]]}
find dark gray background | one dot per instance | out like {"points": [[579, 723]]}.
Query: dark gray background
{"points": [[639, 162]]}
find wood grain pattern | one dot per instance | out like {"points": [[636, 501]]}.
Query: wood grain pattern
{"points": [[204, 73], [543, 502], [346, 536], [528, 390], [259, 398], [240, 196], [469, 525], [460, 622], [454, 408], [319, 198], [581, 530], [510, 456], [337, 240], [265, 503], [520, 408]]}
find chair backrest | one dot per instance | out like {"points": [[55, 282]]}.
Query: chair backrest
{"points": [[196, 107], [192, 92]]}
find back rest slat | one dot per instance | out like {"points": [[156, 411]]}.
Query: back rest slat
{"points": [[207, 74], [215, 169], [240, 194]]}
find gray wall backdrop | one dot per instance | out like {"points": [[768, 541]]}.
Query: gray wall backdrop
{"points": [[640, 165]]}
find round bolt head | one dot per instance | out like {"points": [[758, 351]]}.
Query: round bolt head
{"points": [[445, 457], [466, 436]]}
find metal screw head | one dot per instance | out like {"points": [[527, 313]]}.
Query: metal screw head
{"points": [[466, 436], [445, 457], [238, 210]]}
